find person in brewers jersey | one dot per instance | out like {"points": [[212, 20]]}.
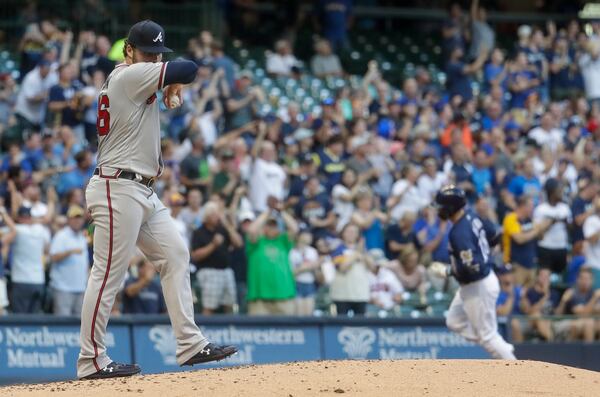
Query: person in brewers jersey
{"points": [[472, 313], [127, 212]]}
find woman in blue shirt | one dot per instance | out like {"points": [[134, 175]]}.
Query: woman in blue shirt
{"points": [[482, 176]]}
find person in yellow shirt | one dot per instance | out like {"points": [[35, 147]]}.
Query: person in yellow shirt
{"points": [[519, 240]]}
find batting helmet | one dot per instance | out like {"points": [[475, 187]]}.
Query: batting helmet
{"points": [[449, 200]]}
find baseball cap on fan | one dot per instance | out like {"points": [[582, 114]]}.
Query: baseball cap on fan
{"points": [[148, 36]]}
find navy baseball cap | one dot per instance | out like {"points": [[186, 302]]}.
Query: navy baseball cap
{"points": [[148, 36]]}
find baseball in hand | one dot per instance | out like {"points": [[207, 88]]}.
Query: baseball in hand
{"points": [[174, 101]]}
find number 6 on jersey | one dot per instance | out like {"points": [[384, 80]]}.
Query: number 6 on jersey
{"points": [[103, 120]]}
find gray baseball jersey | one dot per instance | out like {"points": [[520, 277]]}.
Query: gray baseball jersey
{"points": [[128, 114]]}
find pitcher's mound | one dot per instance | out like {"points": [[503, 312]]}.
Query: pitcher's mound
{"points": [[351, 378]]}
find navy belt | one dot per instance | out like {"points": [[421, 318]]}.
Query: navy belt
{"points": [[130, 175]]}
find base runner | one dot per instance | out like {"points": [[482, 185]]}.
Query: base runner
{"points": [[472, 313]]}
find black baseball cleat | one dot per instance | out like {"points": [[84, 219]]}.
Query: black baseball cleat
{"points": [[115, 370], [211, 352]]}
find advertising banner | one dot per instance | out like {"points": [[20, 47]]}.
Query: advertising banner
{"points": [[396, 342], [49, 352], [155, 345]]}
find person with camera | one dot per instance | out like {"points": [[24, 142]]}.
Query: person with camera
{"points": [[553, 244], [271, 284]]}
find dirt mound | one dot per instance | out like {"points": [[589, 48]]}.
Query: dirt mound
{"points": [[352, 378]]}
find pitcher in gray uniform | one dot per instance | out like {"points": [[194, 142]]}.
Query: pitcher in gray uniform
{"points": [[127, 212]]}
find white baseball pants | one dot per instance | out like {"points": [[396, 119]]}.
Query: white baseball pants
{"points": [[472, 314], [126, 214]]}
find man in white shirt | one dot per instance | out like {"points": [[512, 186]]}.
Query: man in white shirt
{"points": [[267, 177], [30, 243], [553, 244], [406, 195], [546, 134], [432, 180], [589, 64], [31, 101], [70, 265], [282, 61], [591, 233]]}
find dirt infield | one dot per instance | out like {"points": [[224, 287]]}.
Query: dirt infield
{"points": [[351, 378]]}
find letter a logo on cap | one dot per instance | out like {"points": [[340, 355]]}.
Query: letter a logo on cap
{"points": [[158, 38]]}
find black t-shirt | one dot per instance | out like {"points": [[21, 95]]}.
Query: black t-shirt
{"points": [[220, 258]]}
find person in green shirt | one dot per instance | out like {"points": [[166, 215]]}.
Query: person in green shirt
{"points": [[271, 285]]}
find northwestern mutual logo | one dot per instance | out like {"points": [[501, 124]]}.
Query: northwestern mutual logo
{"points": [[164, 342], [246, 339], [357, 342], [40, 347]]}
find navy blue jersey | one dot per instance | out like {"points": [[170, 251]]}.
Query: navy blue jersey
{"points": [[469, 249]]}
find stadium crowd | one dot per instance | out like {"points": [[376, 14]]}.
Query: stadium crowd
{"points": [[295, 211]]}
